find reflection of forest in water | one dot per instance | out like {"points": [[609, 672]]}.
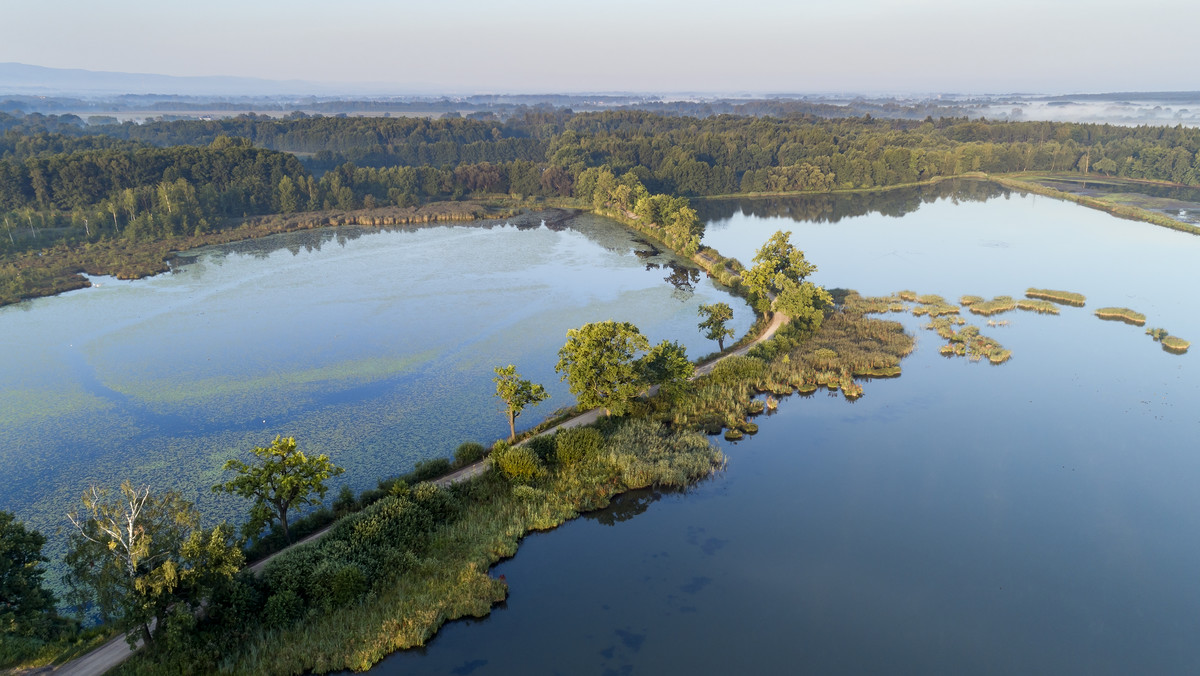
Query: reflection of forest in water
{"points": [[833, 207], [316, 238]]}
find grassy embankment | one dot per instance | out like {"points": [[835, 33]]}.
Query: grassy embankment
{"points": [[1028, 183]]}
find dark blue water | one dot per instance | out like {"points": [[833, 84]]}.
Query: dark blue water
{"points": [[1034, 517]]}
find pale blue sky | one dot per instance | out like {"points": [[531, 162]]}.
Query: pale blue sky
{"points": [[731, 46]]}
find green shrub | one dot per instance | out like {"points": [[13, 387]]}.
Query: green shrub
{"points": [[345, 502], [433, 468], [574, 445], [283, 609], [336, 584], [467, 453], [517, 463], [543, 447], [291, 571]]}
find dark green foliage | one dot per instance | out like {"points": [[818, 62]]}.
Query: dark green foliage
{"points": [[281, 477], [468, 452], [517, 463], [543, 447], [667, 365], [140, 554], [600, 364], [426, 470], [345, 502], [577, 444], [283, 609], [369, 547], [26, 607]]}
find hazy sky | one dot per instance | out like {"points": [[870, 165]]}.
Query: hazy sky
{"points": [[751, 46]]}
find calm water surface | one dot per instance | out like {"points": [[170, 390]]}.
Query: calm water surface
{"points": [[1035, 517], [375, 347]]}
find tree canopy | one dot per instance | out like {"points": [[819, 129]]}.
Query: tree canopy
{"points": [[516, 393], [714, 322], [778, 280], [667, 365], [138, 554], [26, 607], [282, 478], [599, 363]]}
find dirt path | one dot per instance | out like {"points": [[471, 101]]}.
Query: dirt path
{"points": [[117, 650]]}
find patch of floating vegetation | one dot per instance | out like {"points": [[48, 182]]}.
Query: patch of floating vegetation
{"points": [[1121, 314], [1172, 344], [1175, 344], [1038, 306], [1054, 295], [970, 300], [968, 342], [994, 306]]}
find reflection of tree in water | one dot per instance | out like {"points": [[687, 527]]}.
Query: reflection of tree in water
{"points": [[831, 208], [681, 277], [625, 507]]}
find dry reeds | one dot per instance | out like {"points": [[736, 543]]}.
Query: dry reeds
{"points": [[1121, 314], [994, 306], [1054, 295], [1038, 306]]}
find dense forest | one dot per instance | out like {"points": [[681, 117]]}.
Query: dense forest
{"points": [[64, 182]]}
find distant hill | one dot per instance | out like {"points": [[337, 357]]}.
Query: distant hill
{"points": [[20, 78]]}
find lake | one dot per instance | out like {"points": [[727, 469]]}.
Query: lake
{"points": [[1034, 517], [373, 346]]}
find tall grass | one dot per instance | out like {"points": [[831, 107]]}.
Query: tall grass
{"points": [[1062, 297], [1038, 306], [1122, 314], [994, 306]]}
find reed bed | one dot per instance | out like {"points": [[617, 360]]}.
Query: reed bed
{"points": [[855, 303], [1175, 344], [970, 300], [1038, 306], [1122, 314], [994, 306], [1172, 344], [1056, 296], [968, 342]]}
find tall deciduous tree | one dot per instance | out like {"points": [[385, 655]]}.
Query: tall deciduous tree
{"points": [[667, 365], [716, 316], [599, 363], [26, 607], [282, 478], [778, 279], [516, 393], [137, 554]]}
